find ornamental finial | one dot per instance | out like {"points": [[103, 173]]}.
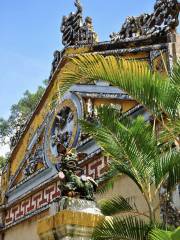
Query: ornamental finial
{"points": [[74, 31], [161, 22]]}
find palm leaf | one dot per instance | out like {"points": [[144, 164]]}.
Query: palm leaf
{"points": [[107, 181], [117, 228], [175, 74], [170, 132], [135, 78], [176, 235], [116, 205], [158, 234], [131, 145], [133, 175], [105, 137], [114, 146], [167, 169], [173, 173]]}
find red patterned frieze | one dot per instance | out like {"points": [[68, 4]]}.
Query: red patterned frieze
{"points": [[96, 168], [32, 204], [41, 200]]}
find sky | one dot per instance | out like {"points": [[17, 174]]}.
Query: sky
{"points": [[30, 33]]}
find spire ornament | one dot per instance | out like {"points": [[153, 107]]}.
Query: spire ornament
{"points": [[161, 22], [74, 31]]}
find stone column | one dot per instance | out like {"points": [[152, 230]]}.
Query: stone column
{"points": [[75, 220]]}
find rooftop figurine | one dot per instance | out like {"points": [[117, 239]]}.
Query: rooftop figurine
{"points": [[163, 20], [74, 31], [72, 185]]}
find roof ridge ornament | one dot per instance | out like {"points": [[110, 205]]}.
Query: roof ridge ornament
{"points": [[77, 4], [74, 31], [162, 21]]}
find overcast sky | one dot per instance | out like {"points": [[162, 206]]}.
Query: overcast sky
{"points": [[29, 34]]}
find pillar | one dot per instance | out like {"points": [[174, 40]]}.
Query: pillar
{"points": [[75, 220]]}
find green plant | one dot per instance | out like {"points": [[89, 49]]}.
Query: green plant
{"points": [[134, 147], [158, 234]]}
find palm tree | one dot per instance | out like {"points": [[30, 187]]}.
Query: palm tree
{"points": [[134, 149], [165, 235], [135, 78], [133, 146], [159, 94]]}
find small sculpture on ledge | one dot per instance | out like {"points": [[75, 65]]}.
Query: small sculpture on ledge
{"points": [[55, 62], [72, 185], [74, 31], [162, 21]]}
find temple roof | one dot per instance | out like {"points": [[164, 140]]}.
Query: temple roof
{"points": [[137, 34]]}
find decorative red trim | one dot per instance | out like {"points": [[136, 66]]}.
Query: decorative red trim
{"points": [[44, 197]]}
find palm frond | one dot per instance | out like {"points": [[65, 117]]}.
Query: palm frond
{"points": [[105, 138], [176, 234], [170, 132], [114, 147], [158, 234], [124, 168], [127, 228], [107, 181], [131, 145], [135, 78], [116, 205], [167, 169], [174, 174], [175, 74]]}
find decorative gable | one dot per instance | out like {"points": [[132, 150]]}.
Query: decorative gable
{"points": [[33, 162]]}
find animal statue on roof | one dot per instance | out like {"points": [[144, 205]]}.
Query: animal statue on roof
{"points": [[74, 31], [163, 20], [71, 184], [57, 58], [71, 25]]}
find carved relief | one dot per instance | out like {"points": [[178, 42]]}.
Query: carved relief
{"points": [[62, 130], [33, 161], [55, 63]]}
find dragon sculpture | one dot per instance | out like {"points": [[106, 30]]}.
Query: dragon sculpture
{"points": [[163, 20], [74, 31], [71, 184]]}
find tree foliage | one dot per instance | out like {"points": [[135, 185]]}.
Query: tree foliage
{"points": [[19, 113], [135, 78], [134, 147], [3, 161], [158, 234]]}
